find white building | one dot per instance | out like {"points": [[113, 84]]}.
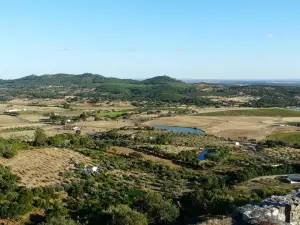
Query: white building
{"points": [[90, 169]]}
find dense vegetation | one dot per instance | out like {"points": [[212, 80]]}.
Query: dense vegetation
{"points": [[129, 189], [16, 200], [266, 95], [159, 90]]}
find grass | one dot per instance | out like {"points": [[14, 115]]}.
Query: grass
{"points": [[111, 114], [291, 137], [255, 112]]}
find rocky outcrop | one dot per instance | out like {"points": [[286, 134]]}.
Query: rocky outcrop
{"points": [[276, 210]]}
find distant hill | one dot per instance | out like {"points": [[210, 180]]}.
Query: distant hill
{"points": [[156, 89], [161, 80], [86, 79]]}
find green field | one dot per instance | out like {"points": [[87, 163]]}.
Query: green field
{"points": [[255, 112], [292, 137], [111, 114]]}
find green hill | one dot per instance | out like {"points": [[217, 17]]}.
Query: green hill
{"points": [[97, 87], [161, 80]]}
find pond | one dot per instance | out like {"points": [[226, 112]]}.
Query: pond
{"points": [[201, 155], [180, 129]]}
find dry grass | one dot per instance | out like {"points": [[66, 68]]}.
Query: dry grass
{"points": [[41, 167], [227, 126], [105, 125], [234, 99], [10, 121], [40, 101]]}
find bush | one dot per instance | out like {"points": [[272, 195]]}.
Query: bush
{"points": [[123, 215], [61, 221], [157, 209]]}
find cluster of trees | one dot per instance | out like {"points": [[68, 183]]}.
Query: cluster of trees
{"points": [[161, 89], [157, 89], [270, 96], [257, 171], [277, 143], [101, 196], [296, 124], [14, 129], [16, 201], [10, 147], [98, 197], [188, 157]]}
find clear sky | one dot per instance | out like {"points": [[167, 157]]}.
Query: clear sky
{"points": [[145, 38]]}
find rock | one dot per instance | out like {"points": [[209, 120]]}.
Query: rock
{"points": [[276, 210]]}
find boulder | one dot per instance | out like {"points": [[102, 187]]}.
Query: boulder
{"points": [[276, 210]]}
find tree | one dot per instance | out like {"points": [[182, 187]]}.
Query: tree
{"points": [[66, 105], [123, 215], [83, 116], [97, 118], [40, 137], [157, 209]]}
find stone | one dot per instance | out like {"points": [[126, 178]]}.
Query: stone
{"points": [[279, 210]]}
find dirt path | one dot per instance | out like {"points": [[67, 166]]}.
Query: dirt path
{"points": [[267, 177]]}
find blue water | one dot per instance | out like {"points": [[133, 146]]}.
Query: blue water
{"points": [[201, 155], [180, 129]]}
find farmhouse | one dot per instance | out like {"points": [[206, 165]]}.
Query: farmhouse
{"points": [[90, 169], [72, 127]]}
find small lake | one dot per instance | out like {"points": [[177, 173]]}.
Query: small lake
{"points": [[180, 129], [201, 155]]}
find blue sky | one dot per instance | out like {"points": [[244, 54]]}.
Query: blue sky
{"points": [[144, 38]]}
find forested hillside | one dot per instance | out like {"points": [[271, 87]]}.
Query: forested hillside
{"points": [[160, 89], [97, 87]]}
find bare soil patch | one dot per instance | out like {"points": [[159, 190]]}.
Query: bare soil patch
{"points": [[105, 125], [41, 167], [10, 121]]}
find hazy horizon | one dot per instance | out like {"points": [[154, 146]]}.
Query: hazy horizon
{"points": [[134, 39]]}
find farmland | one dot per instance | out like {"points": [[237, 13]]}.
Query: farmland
{"points": [[289, 137], [132, 162], [255, 112], [252, 127]]}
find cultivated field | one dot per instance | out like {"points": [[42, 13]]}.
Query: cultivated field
{"points": [[41, 167], [255, 112], [229, 126], [104, 125]]}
